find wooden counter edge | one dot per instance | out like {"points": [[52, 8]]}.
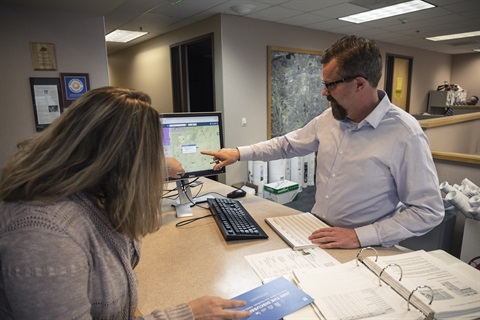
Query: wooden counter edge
{"points": [[457, 157], [443, 121]]}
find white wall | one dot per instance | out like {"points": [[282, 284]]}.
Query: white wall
{"points": [[79, 45]]}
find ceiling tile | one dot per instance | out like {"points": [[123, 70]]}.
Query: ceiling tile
{"points": [[274, 14], [303, 19], [160, 16], [340, 10]]}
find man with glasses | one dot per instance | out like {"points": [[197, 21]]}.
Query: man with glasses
{"points": [[376, 183]]}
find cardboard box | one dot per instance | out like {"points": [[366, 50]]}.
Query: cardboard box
{"points": [[281, 192]]}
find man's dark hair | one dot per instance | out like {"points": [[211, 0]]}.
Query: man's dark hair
{"points": [[356, 56]]}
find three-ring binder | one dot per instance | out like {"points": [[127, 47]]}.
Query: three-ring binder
{"points": [[401, 290], [359, 254], [413, 291], [390, 265]]}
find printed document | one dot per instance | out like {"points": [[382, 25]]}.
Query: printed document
{"points": [[283, 262]]}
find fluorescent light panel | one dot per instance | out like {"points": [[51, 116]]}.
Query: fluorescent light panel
{"points": [[455, 36], [123, 35], [390, 11]]}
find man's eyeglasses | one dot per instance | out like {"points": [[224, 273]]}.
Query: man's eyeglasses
{"points": [[331, 85]]}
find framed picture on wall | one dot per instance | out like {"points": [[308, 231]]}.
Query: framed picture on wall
{"points": [[74, 85], [43, 56], [294, 89], [47, 104]]}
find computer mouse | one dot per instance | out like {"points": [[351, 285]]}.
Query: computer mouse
{"points": [[236, 193]]}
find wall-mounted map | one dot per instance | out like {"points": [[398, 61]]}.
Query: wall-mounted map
{"points": [[294, 89]]}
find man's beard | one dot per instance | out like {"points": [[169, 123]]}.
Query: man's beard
{"points": [[338, 111]]}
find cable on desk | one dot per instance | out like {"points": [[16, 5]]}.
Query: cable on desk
{"points": [[188, 221], [185, 185], [175, 196], [221, 195], [197, 195]]}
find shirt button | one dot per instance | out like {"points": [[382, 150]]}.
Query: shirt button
{"points": [[341, 152], [327, 196], [334, 175]]}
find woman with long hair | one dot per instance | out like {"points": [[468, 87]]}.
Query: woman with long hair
{"points": [[75, 201]]}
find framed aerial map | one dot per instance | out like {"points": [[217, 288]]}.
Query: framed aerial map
{"points": [[294, 89]]}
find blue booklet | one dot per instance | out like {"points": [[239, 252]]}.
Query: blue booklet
{"points": [[274, 300]]}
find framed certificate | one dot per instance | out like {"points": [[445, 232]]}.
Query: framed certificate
{"points": [[43, 56], [74, 85], [47, 104]]}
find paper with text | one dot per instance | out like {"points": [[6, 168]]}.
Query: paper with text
{"points": [[454, 294], [283, 262], [295, 229], [350, 292]]}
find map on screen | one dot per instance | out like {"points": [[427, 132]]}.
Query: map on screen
{"points": [[185, 135]]}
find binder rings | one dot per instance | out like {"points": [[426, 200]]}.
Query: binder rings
{"points": [[412, 285]]}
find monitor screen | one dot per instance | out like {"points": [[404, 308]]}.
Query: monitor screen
{"points": [[186, 134]]}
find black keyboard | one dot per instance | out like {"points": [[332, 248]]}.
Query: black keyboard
{"points": [[234, 221]]}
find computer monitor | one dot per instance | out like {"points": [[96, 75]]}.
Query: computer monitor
{"points": [[184, 136]]}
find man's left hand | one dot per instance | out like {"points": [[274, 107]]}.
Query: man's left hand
{"points": [[335, 237]]}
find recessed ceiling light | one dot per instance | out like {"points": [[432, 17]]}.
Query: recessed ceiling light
{"points": [[390, 11], [455, 36], [123, 35]]}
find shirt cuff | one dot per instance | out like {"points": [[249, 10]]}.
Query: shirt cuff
{"points": [[246, 153], [367, 235]]}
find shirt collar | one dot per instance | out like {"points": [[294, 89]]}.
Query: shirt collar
{"points": [[378, 113]]}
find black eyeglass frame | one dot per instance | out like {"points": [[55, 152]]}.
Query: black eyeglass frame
{"points": [[332, 84]]}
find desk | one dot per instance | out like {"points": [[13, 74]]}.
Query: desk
{"points": [[180, 264]]}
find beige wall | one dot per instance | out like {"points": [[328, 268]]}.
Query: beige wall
{"points": [[146, 66], [466, 72], [240, 68], [463, 137], [454, 172], [243, 64], [79, 45]]}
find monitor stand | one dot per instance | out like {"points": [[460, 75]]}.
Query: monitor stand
{"points": [[185, 202]]}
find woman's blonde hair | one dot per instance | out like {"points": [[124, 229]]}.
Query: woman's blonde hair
{"points": [[108, 144]]}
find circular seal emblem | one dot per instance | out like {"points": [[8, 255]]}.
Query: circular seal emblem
{"points": [[75, 85]]}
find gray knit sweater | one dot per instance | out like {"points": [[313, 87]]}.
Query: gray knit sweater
{"points": [[64, 260]]}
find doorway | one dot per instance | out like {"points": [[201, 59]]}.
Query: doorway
{"points": [[193, 75], [398, 77]]}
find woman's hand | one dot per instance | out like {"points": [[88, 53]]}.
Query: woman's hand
{"points": [[174, 168], [215, 308]]}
